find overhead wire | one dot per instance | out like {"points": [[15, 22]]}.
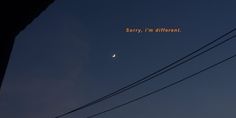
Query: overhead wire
{"points": [[158, 72], [163, 88]]}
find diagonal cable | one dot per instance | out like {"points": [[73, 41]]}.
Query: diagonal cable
{"points": [[156, 73], [163, 88]]}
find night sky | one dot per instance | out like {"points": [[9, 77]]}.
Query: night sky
{"points": [[64, 59]]}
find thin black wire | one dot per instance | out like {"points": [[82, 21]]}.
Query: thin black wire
{"points": [[152, 75], [161, 89]]}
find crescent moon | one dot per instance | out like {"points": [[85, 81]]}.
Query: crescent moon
{"points": [[114, 55]]}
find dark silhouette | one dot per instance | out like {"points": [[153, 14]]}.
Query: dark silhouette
{"points": [[16, 15]]}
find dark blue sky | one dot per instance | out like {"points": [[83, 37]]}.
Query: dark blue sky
{"points": [[64, 60]]}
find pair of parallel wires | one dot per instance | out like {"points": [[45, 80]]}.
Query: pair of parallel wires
{"points": [[200, 51]]}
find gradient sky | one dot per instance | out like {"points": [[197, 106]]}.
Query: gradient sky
{"points": [[64, 60]]}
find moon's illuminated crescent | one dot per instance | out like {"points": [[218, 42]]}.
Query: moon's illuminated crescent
{"points": [[114, 55]]}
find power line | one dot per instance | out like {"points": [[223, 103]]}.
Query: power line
{"points": [[156, 73], [146, 78], [163, 88]]}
